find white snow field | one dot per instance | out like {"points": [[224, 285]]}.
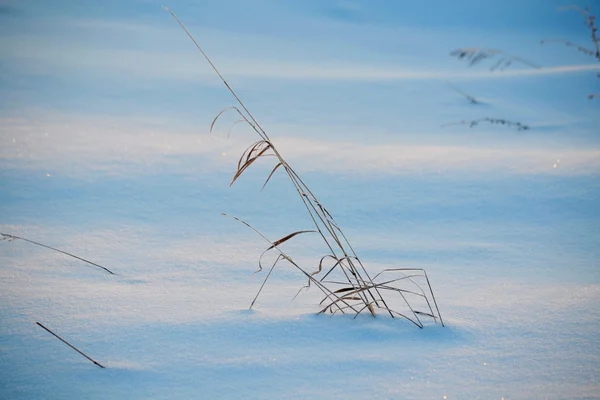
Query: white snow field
{"points": [[105, 153]]}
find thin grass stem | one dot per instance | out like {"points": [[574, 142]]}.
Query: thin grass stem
{"points": [[70, 345], [12, 237]]}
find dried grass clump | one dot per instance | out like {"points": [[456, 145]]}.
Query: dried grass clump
{"points": [[346, 285]]}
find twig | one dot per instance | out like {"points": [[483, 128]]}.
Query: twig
{"points": [[71, 346]]}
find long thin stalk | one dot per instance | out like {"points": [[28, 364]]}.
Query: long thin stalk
{"points": [[217, 71], [11, 237], [279, 257], [71, 346]]}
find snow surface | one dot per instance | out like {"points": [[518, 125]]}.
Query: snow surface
{"points": [[110, 159]]}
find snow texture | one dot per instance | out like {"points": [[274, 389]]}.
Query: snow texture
{"points": [[105, 153]]}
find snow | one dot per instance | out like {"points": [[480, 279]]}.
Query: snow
{"points": [[519, 299], [118, 167]]}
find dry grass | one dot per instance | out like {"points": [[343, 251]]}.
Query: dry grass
{"points": [[494, 121], [470, 99], [503, 60], [590, 23], [6, 236], [70, 345], [347, 286]]}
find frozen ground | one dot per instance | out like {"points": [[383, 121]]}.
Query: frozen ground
{"points": [[107, 156]]}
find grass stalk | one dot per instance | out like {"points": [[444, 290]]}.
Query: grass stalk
{"points": [[6, 236], [70, 345], [365, 292]]}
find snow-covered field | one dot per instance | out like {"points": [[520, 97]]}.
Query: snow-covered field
{"points": [[105, 153]]}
